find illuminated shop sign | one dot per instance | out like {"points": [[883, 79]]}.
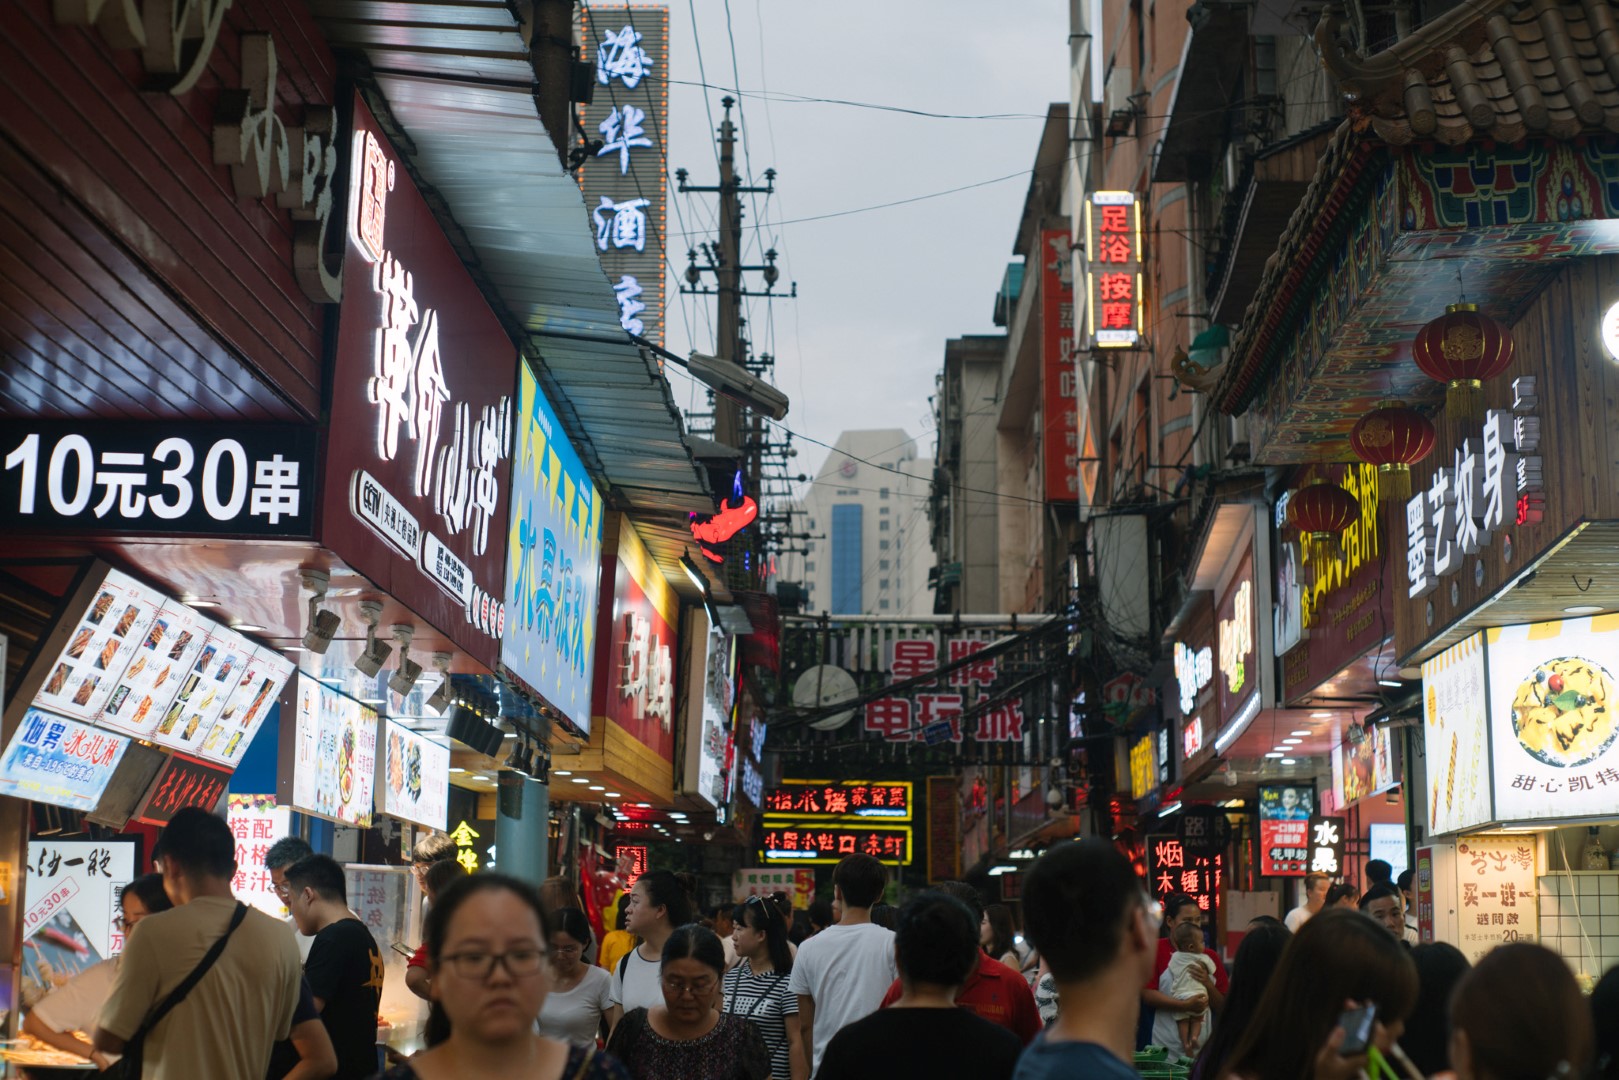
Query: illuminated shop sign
{"points": [[826, 799], [1170, 870], [1495, 482], [810, 843], [420, 441], [1060, 393], [195, 479], [1143, 767], [54, 760], [1192, 737], [1284, 829], [182, 783], [1113, 273], [1193, 671], [632, 862], [625, 181]]}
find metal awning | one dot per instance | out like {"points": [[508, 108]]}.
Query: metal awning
{"points": [[1211, 64], [457, 79]]}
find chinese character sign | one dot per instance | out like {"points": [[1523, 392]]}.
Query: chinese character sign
{"points": [[1497, 900], [192, 479], [1456, 738], [256, 822], [799, 885], [1553, 737], [1170, 870], [420, 440], [933, 714], [1237, 660], [1113, 276], [1284, 829], [635, 662], [626, 179], [553, 559], [811, 843], [1059, 392], [182, 782], [54, 760], [70, 917], [466, 846], [1143, 767], [634, 856], [1326, 846], [834, 799]]}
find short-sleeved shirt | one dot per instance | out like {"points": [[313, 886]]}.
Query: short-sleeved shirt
{"points": [[845, 970], [1046, 1060], [284, 1058], [637, 982], [996, 993], [732, 1050], [249, 993], [73, 1005], [765, 1000], [345, 973], [575, 1015], [921, 1042]]}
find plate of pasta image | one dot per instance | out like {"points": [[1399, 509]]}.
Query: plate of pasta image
{"points": [[1563, 712]]}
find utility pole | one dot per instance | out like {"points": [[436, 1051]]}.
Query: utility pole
{"points": [[724, 260]]}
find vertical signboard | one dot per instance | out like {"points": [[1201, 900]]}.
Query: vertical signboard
{"points": [[418, 477], [944, 829], [1059, 394], [625, 180], [1496, 897], [1455, 737], [71, 922], [1284, 829], [553, 568], [1171, 870], [1237, 650], [1422, 886], [256, 822], [635, 672], [1113, 269]]}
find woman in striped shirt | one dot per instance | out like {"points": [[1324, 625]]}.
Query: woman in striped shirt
{"points": [[756, 988]]}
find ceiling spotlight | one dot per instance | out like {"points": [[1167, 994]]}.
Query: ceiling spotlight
{"points": [[514, 760], [440, 698], [323, 623], [405, 676], [376, 652]]}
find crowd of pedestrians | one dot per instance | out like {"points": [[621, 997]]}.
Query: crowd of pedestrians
{"points": [[209, 987]]}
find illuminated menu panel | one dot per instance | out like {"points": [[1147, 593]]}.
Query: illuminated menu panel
{"points": [[144, 664], [813, 800], [334, 755], [416, 778], [812, 843]]}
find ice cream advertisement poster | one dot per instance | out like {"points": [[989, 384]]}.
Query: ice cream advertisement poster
{"points": [[1455, 737], [335, 755], [1552, 724], [415, 778]]}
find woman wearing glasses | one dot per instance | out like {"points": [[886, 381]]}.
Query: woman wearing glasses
{"points": [[686, 1037], [486, 947], [756, 988], [581, 995]]}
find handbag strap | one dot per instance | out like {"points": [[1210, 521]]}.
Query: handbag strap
{"points": [[178, 994], [584, 1063]]}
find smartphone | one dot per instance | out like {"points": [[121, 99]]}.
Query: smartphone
{"points": [[402, 950], [1357, 1025]]}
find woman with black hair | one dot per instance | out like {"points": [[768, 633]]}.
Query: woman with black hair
{"points": [[998, 936], [656, 905], [486, 945], [685, 1037], [756, 988], [1251, 969], [581, 994], [1336, 958], [925, 1033]]}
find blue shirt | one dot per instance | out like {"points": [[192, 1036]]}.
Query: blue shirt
{"points": [[1045, 1060]]}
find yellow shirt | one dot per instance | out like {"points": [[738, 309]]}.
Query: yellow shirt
{"points": [[616, 945]]}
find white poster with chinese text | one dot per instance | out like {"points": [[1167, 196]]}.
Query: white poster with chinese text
{"points": [[1496, 899], [70, 909], [257, 822]]}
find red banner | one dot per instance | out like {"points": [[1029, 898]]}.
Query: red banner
{"points": [[1060, 419]]}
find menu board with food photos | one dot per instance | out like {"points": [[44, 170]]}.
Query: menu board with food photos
{"points": [[416, 778], [147, 665], [334, 755]]}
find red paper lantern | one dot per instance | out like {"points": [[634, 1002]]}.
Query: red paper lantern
{"points": [[1393, 437], [1461, 349], [1322, 511]]}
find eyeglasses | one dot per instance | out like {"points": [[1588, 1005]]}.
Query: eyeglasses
{"points": [[520, 963], [567, 950], [284, 891], [124, 923], [680, 987]]}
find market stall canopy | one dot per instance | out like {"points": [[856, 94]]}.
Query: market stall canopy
{"points": [[459, 83], [1475, 159]]}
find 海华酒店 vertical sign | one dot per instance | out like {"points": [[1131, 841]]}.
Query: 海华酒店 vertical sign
{"points": [[418, 468]]}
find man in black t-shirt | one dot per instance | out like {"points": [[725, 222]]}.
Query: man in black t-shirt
{"points": [[344, 968]]}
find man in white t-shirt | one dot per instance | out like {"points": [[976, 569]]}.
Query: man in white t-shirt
{"points": [[841, 974], [1315, 898]]}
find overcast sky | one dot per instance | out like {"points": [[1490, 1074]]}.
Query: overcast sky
{"points": [[879, 292]]}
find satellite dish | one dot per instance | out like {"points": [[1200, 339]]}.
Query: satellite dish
{"points": [[825, 685]]}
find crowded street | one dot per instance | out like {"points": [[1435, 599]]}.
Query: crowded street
{"points": [[726, 540]]}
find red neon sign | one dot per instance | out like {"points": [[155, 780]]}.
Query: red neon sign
{"points": [[722, 526]]}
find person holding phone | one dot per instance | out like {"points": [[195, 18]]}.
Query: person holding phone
{"points": [[1312, 1018]]}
